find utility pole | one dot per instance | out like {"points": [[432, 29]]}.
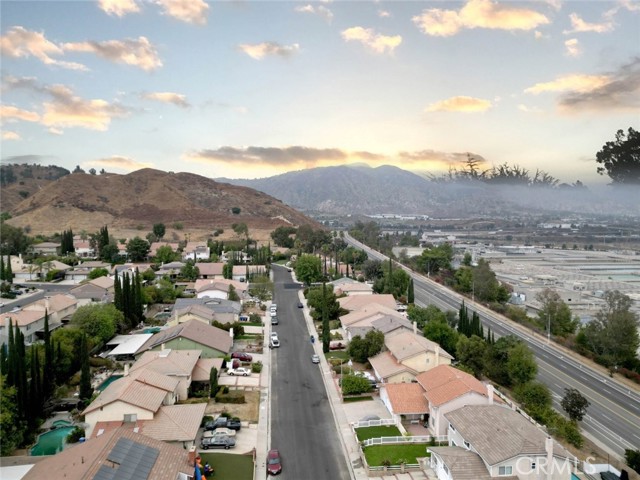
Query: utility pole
{"points": [[548, 328]]}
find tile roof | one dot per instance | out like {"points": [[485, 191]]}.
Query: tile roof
{"points": [[174, 423], [462, 463], [353, 287], [102, 282], [385, 365], [408, 344], [222, 284], [22, 318], [389, 323], [207, 335], [145, 389], [210, 268], [168, 362], [356, 302], [53, 304], [406, 398], [198, 310], [82, 461], [202, 370], [218, 305], [499, 433], [368, 314], [445, 383]]}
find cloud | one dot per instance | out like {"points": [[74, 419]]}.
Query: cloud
{"points": [[167, 97], [268, 155], [460, 104], [19, 42], [258, 51], [119, 8], [190, 11], [383, 13], [478, 14], [9, 112], [524, 108], [375, 41], [27, 159], [574, 83], [7, 135], [573, 47], [136, 52], [122, 163], [579, 25], [319, 10], [621, 92]]}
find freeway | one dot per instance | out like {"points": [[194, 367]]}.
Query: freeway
{"points": [[613, 418], [302, 424]]}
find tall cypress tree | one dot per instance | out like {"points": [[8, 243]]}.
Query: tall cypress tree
{"points": [[21, 374], [326, 332], [410, 293], [139, 307], [117, 292], [126, 298], [48, 371], [8, 274], [85, 375], [11, 354], [2, 272]]}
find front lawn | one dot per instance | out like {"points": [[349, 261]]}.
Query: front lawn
{"points": [[362, 398], [395, 454], [342, 355], [228, 466], [366, 433]]}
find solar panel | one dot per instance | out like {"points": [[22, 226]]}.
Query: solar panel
{"points": [[133, 461]]}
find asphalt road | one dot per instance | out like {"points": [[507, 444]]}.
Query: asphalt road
{"points": [[43, 290], [302, 425], [613, 418]]}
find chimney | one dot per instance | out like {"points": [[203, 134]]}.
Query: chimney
{"points": [[437, 354], [415, 328], [231, 332], [46, 303], [161, 347], [548, 446], [126, 369], [191, 455], [490, 393]]}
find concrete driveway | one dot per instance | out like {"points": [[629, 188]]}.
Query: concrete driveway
{"points": [[246, 439], [356, 410]]}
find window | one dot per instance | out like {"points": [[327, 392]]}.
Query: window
{"points": [[533, 465], [507, 470]]}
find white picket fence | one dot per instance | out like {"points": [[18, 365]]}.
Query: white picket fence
{"points": [[373, 423], [408, 439]]}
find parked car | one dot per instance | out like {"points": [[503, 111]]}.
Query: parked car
{"points": [[274, 462], [219, 431], [218, 441], [245, 372], [274, 320], [315, 358], [274, 334], [274, 343], [243, 357], [300, 305], [223, 422]]}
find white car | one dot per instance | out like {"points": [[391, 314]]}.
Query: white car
{"points": [[220, 431], [245, 372], [274, 343], [274, 335]]}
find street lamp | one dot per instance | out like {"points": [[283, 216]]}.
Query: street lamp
{"points": [[548, 328]]}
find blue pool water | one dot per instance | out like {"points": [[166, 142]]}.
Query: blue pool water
{"points": [[573, 477], [108, 382], [51, 442], [62, 423]]}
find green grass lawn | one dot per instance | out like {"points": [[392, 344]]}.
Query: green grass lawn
{"points": [[228, 466], [363, 398], [376, 454], [344, 356], [366, 433]]}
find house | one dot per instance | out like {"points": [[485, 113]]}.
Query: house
{"points": [[196, 251], [136, 396], [37, 271], [171, 270], [118, 454], [358, 302], [124, 347], [46, 248], [487, 441], [212, 342], [218, 288], [242, 273], [98, 290], [178, 364], [407, 354], [210, 271], [363, 319], [192, 312], [446, 389], [83, 248], [30, 318], [405, 400], [356, 288], [225, 311]]}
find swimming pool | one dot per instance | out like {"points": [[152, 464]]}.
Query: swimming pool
{"points": [[52, 442], [62, 423], [108, 382]]}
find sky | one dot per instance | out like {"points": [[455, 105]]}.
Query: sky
{"points": [[250, 89]]}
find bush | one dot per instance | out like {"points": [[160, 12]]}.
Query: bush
{"points": [[75, 435], [256, 367], [236, 210], [355, 385], [205, 419], [235, 397]]}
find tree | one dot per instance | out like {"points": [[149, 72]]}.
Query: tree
{"points": [[620, 159], [613, 332], [190, 272], [10, 425], [261, 287], [555, 312], [470, 352], [98, 272], [372, 269], [308, 269], [99, 322], [233, 294], [521, 364], [138, 249], [159, 230], [410, 293], [48, 367], [574, 404], [435, 259], [442, 334], [213, 382], [535, 398], [354, 384], [85, 374], [282, 236], [632, 458], [326, 332], [165, 254], [361, 349]]}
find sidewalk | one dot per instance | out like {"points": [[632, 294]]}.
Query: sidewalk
{"points": [[264, 417]]}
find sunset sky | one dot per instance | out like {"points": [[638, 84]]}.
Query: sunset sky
{"points": [[247, 89]]}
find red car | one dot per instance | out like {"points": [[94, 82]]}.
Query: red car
{"points": [[274, 462], [243, 357]]}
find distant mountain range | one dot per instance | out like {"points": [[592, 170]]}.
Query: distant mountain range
{"points": [[360, 189]]}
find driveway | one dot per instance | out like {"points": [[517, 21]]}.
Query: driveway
{"points": [[356, 410], [246, 440]]}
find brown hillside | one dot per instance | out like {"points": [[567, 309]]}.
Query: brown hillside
{"points": [[136, 201], [20, 181]]}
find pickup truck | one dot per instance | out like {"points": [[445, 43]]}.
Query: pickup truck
{"points": [[223, 422]]}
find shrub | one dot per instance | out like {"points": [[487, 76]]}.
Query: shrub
{"points": [[256, 367], [205, 419], [355, 385], [236, 210], [234, 397], [75, 435]]}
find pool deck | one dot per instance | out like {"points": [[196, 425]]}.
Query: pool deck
{"points": [[65, 416]]}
